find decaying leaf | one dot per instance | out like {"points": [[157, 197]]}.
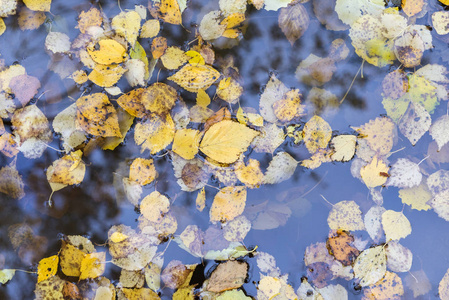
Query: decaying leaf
{"points": [[404, 174], [227, 276], [317, 134], [154, 206], [293, 21], [142, 171], [440, 131], [371, 265], [344, 146], [390, 287], [155, 134], [373, 174], [281, 168], [195, 77]]}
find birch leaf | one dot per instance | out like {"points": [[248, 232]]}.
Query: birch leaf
{"points": [[396, 225], [404, 174], [228, 204], [345, 215], [195, 77], [371, 265], [440, 131]]}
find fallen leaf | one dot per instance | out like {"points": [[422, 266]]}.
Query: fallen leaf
{"points": [[251, 174], [195, 77], [142, 171], [415, 122], [418, 282], [38, 5], [417, 197], [344, 147], [373, 174], [174, 57], [47, 268], [373, 222], [395, 225], [317, 134], [155, 133], [167, 10], [227, 276], [96, 115], [132, 103], [186, 143], [175, 274], [6, 275], [289, 107], [228, 204], [342, 248], [412, 7], [345, 215], [106, 75], [57, 42], [440, 20], [24, 87], [29, 19], [440, 131], [226, 140], [399, 258], [150, 29], [211, 27], [404, 174], [89, 18], [107, 52], [154, 206], [68, 170], [159, 98], [92, 265], [293, 21], [127, 24], [370, 266], [389, 287], [158, 46], [281, 168]]}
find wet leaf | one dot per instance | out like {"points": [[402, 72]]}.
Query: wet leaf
{"points": [[154, 206], [289, 107], [227, 276], [6, 275], [404, 174], [317, 134], [344, 147], [173, 58], [107, 52], [38, 5], [293, 21], [106, 75], [11, 182], [440, 131], [127, 24], [417, 197], [57, 42], [415, 122], [93, 265], [195, 77], [350, 11], [418, 282], [440, 21], [132, 103], [399, 258], [373, 222], [68, 170], [89, 18], [70, 259], [226, 140], [158, 46], [228, 204], [24, 87], [47, 268], [395, 225], [342, 248], [175, 274], [159, 98], [150, 29], [186, 143], [345, 215], [390, 287], [412, 7], [269, 139], [281, 168], [142, 171], [251, 174], [370, 266], [96, 115], [274, 91], [167, 10], [155, 134]]}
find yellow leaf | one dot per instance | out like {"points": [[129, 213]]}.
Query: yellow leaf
{"points": [[344, 147], [270, 287], [229, 90], [317, 134], [202, 98], [29, 19], [195, 77], [154, 206], [67, 170], [226, 140], [127, 24], [228, 204], [142, 171], [379, 134], [233, 20], [47, 268], [107, 52], [168, 10], [395, 225], [196, 58], [6, 275], [79, 76], [38, 5], [251, 174], [412, 7], [345, 215], [93, 265], [155, 134], [132, 103], [317, 158], [150, 29], [173, 58], [389, 287], [70, 259], [200, 201], [186, 142], [159, 98], [158, 46], [289, 106], [106, 75], [118, 237], [90, 18], [371, 265], [417, 197], [138, 52], [96, 115], [2, 26], [375, 173], [125, 121]]}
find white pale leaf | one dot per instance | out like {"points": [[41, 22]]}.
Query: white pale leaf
{"points": [[344, 146], [399, 258], [274, 90], [440, 131], [373, 222], [281, 168], [345, 215], [396, 225], [415, 122], [438, 181], [440, 204], [404, 174]]}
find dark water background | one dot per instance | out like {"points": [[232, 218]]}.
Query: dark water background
{"points": [[91, 208]]}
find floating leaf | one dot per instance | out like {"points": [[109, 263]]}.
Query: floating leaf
{"points": [[390, 287], [344, 146], [93, 265], [142, 171], [373, 174], [195, 77], [107, 52], [440, 131], [342, 248], [186, 143], [379, 134], [173, 58], [373, 222], [127, 24], [418, 282], [6, 275], [345, 215], [159, 98], [89, 18], [415, 122], [281, 168], [274, 91], [106, 75], [24, 87], [47, 268], [370, 266], [155, 134], [395, 225], [227, 276], [293, 21], [11, 182], [154, 206], [226, 140], [404, 174], [417, 197], [412, 7], [68, 170], [96, 115], [440, 19], [38, 5], [289, 106], [167, 10], [228, 204], [350, 11], [150, 29], [132, 103], [399, 258], [57, 42], [317, 134]]}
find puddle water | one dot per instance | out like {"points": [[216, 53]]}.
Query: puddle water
{"points": [[93, 207]]}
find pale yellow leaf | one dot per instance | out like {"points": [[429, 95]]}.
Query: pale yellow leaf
{"points": [[395, 225]]}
